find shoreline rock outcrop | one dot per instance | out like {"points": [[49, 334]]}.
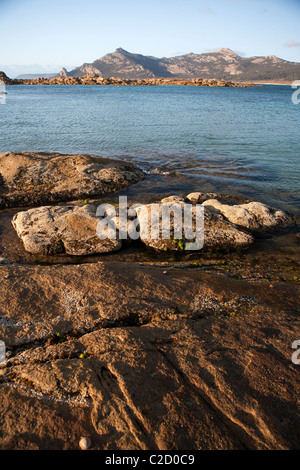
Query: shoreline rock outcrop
{"points": [[38, 178], [253, 215], [50, 230]]}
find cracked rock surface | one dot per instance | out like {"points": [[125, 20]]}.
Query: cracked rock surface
{"points": [[186, 351]]}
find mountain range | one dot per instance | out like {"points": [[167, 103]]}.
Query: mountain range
{"points": [[223, 64]]}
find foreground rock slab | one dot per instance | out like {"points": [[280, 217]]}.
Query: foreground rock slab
{"points": [[73, 229], [40, 178]]}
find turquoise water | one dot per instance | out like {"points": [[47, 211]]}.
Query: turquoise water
{"points": [[241, 140]]}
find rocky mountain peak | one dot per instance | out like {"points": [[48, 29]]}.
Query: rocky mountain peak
{"points": [[121, 50], [224, 64]]}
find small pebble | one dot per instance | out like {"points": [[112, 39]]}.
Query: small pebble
{"points": [[85, 443]]}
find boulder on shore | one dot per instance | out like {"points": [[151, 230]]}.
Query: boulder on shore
{"points": [[42, 178], [213, 232], [62, 229], [85, 344]]}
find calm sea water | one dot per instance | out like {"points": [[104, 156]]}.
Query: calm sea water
{"points": [[230, 140]]}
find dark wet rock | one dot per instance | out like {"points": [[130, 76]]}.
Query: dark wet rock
{"points": [[40, 178]]}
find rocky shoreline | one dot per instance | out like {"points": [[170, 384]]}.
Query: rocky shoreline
{"points": [[93, 79], [210, 331], [37, 178]]}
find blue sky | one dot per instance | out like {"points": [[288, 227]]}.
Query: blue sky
{"points": [[39, 36]]}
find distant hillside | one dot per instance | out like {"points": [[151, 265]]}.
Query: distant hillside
{"points": [[33, 76], [223, 64]]}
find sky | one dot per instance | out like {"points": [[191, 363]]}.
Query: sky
{"points": [[44, 36]]}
